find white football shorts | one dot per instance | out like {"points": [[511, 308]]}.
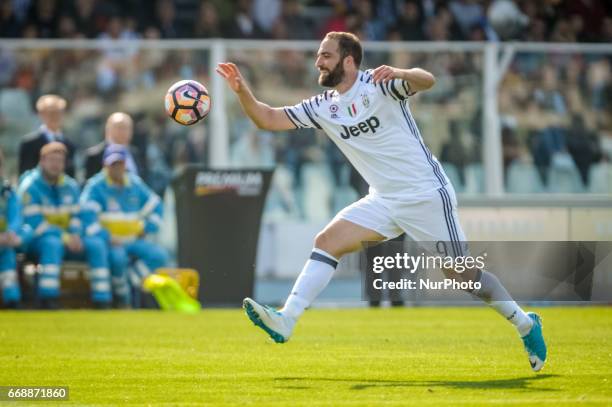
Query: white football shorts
{"points": [[430, 217]]}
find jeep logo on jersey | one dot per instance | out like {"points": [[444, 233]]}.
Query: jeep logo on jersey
{"points": [[370, 124]]}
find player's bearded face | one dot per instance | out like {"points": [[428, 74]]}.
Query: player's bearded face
{"points": [[333, 77]]}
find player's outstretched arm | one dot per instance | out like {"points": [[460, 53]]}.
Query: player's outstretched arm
{"points": [[264, 116], [418, 79]]}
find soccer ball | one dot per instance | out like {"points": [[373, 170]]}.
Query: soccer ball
{"points": [[187, 102]]}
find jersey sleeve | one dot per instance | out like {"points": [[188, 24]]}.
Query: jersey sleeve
{"points": [[396, 89], [32, 211], [152, 208], [13, 212], [304, 115], [91, 202], [75, 226]]}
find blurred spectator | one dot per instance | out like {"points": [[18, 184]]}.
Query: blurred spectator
{"points": [[253, 149], [410, 22], [599, 80], [454, 152], [467, 14], [86, 19], [300, 26], [507, 19], [266, 12], [373, 29], [197, 142], [511, 147], [165, 19], [44, 16], [591, 14], [387, 10], [442, 26], [583, 146], [207, 24], [571, 20], [337, 20], [563, 31], [67, 28], [119, 130], [536, 32], [10, 27], [117, 60], [293, 67], [242, 24], [51, 109], [550, 108], [606, 30], [547, 94]]}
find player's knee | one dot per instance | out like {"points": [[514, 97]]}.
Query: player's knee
{"points": [[94, 245], [159, 257], [52, 246], [326, 242], [118, 258], [322, 241], [51, 242]]}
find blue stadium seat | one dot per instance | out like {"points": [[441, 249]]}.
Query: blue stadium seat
{"points": [[281, 201], [600, 178], [474, 179], [563, 176], [452, 172], [317, 191], [523, 178], [343, 197]]}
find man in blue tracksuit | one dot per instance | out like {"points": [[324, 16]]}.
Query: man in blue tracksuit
{"points": [[51, 209], [10, 238], [118, 205]]}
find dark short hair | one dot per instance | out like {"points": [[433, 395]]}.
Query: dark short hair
{"points": [[348, 44]]}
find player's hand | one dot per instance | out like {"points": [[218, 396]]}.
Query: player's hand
{"points": [[384, 74], [13, 240], [232, 76], [74, 243]]}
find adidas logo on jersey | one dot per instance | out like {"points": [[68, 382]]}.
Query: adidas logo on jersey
{"points": [[366, 126]]}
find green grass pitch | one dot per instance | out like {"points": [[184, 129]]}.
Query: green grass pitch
{"points": [[358, 357]]}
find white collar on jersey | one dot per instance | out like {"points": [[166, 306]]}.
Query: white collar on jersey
{"points": [[352, 92]]}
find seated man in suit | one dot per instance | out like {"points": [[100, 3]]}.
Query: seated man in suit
{"points": [[51, 209], [119, 130], [117, 203], [51, 110]]}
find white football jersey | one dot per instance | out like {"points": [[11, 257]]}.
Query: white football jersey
{"points": [[373, 127]]}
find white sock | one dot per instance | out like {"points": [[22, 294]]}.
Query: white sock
{"points": [[315, 276], [493, 293]]}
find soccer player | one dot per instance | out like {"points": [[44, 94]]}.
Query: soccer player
{"points": [[50, 200], [121, 208], [366, 114]]}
